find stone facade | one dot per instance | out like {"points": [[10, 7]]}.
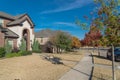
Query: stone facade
{"points": [[17, 27], [42, 40]]}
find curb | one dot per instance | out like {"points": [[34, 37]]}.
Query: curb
{"points": [[92, 67]]}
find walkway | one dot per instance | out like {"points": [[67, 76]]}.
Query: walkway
{"points": [[82, 71]]}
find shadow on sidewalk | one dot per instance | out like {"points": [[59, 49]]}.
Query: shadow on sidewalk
{"points": [[102, 57], [76, 70], [90, 76]]}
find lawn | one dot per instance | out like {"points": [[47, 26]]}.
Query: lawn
{"points": [[101, 60], [33, 67], [103, 72]]}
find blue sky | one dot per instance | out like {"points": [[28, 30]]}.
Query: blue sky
{"points": [[52, 14]]}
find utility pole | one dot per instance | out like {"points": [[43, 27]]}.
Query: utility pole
{"points": [[113, 64]]}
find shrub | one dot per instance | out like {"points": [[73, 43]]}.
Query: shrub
{"points": [[15, 50], [2, 52], [9, 55], [24, 53], [21, 53], [8, 47], [36, 47], [23, 45]]}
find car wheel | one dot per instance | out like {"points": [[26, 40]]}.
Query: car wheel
{"points": [[115, 58], [107, 56]]}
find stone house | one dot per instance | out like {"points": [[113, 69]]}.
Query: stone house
{"points": [[43, 37], [14, 28]]}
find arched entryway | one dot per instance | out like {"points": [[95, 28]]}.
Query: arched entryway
{"points": [[26, 36]]}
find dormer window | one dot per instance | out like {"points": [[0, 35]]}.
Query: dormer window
{"points": [[1, 22]]}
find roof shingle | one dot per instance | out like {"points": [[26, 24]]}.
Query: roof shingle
{"points": [[5, 15], [10, 33]]}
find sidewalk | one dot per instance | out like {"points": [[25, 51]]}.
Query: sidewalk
{"points": [[82, 71]]}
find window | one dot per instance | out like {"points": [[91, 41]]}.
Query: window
{"points": [[1, 22]]}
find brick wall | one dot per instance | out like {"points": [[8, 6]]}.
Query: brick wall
{"points": [[1, 39], [15, 43]]}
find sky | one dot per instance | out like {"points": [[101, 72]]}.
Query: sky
{"points": [[52, 14]]}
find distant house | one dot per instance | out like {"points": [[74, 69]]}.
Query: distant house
{"points": [[43, 38], [14, 28]]}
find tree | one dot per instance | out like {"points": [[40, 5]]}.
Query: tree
{"points": [[92, 37], [75, 42], [36, 46], [62, 41], [103, 41], [108, 16]]}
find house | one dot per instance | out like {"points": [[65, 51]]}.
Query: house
{"points": [[14, 28], [43, 37]]}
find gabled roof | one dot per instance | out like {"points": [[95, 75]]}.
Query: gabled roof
{"points": [[19, 16], [16, 20], [20, 19], [7, 16], [44, 33], [10, 33], [47, 33], [2, 29]]}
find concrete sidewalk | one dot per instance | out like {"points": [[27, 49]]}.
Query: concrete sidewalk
{"points": [[82, 71]]}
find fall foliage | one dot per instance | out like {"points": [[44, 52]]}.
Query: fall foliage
{"points": [[75, 42], [92, 37], [108, 16]]}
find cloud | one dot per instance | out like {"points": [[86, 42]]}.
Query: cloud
{"points": [[69, 6], [66, 24], [38, 29]]}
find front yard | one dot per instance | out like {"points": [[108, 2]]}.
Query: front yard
{"points": [[102, 68], [33, 67]]}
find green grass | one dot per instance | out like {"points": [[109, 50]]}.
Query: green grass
{"points": [[9, 55]]}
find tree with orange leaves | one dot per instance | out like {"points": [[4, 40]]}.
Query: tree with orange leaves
{"points": [[75, 42]]}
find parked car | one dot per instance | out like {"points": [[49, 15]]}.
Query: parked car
{"points": [[116, 53]]}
